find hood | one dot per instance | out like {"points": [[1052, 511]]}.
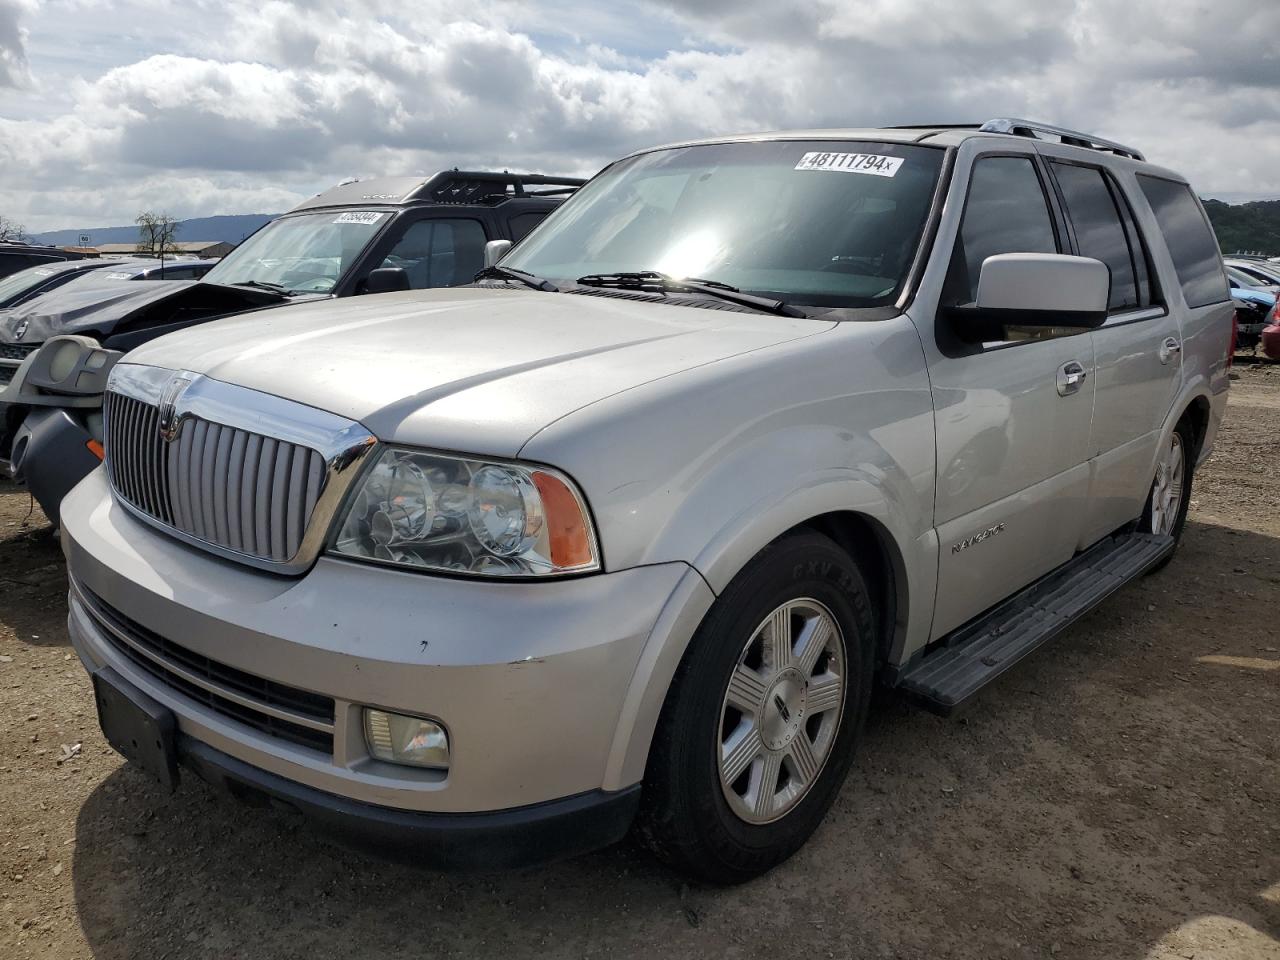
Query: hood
{"points": [[473, 370], [102, 310], [96, 309]]}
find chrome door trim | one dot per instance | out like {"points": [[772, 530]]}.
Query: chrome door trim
{"points": [[1170, 348], [1071, 377]]}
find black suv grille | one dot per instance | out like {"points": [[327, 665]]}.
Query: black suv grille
{"points": [[17, 351], [168, 662]]}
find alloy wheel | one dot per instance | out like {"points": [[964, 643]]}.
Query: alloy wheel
{"points": [[1166, 493], [781, 712]]}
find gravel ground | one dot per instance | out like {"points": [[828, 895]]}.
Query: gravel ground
{"points": [[1115, 796]]}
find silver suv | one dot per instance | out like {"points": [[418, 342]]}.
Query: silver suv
{"points": [[625, 533]]}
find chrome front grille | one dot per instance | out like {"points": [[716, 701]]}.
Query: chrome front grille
{"points": [[239, 490]]}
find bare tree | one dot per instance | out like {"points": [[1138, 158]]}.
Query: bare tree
{"points": [[11, 230], [156, 232]]}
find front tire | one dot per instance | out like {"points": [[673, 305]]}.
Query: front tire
{"points": [[759, 726]]}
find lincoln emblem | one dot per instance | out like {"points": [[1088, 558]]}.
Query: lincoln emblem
{"points": [[169, 405]]}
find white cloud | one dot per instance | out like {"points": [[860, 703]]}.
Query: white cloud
{"points": [[277, 100], [13, 42]]}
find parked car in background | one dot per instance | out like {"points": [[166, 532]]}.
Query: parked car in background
{"points": [[1270, 336], [31, 282], [1239, 279], [629, 533], [1253, 306], [19, 256], [396, 233], [1265, 273], [86, 301]]}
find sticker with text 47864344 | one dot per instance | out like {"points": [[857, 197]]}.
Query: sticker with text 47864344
{"points": [[872, 163]]}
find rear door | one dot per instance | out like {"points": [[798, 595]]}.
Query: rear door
{"points": [[1012, 433], [1137, 352]]}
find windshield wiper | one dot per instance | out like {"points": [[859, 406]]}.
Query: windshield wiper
{"points": [[655, 282], [496, 272], [263, 285]]}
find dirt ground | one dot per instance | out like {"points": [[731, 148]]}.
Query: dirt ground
{"points": [[1116, 796]]}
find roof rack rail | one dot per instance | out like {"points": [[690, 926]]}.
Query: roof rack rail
{"points": [[932, 126], [470, 186], [1032, 129]]}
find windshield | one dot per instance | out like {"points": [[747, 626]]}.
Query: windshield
{"points": [[308, 253], [19, 283], [829, 223]]}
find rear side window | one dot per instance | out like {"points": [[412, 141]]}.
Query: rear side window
{"points": [[1099, 231], [1190, 240], [1006, 212]]}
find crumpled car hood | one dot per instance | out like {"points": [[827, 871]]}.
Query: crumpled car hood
{"points": [[468, 369], [91, 309], [106, 308]]}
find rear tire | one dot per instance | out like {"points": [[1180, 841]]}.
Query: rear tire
{"points": [[760, 724], [1170, 494]]}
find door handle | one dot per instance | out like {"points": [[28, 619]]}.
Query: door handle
{"points": [[1169, 349], [1070, 377]]}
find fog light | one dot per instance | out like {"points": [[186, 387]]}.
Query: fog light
{"points": [[396, 738]]}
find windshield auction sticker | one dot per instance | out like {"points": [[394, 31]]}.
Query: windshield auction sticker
{"points": [[872, 163], [367, 217]]}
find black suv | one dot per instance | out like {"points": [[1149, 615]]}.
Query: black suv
{"points": [[361, 237]]}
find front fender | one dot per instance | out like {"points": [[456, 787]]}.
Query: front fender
{"points": [[707, 466]]}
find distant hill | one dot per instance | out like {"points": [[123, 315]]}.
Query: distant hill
{"points": [[1246, 227], [232, 229]]}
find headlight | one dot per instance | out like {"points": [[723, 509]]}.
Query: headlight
{"points": [[468, 516]]}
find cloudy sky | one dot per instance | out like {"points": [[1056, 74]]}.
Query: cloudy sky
{"points": [[108, 107]]}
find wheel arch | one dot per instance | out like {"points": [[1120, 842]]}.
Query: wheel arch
{"points": [[879, 561], [867, 538], [1198, 411]]}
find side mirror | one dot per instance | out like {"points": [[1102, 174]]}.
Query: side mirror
{"points": [[1035, 290], [495, 250], [387, 280]]}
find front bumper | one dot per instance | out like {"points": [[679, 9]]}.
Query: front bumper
{"points": [[464, 841], [536, 683]]}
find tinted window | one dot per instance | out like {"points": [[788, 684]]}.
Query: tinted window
{"points": [[1191, 243], [1006, 212], [522, 223], [439, 253], [1099, 233]]}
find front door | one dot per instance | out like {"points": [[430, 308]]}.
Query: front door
{"points": [[1012, 416]]}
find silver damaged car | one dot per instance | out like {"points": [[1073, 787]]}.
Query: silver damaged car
{"points": [[624, 534]]}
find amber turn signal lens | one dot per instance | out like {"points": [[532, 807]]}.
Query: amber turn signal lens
{"points": [[566, 518], [95, 448]]}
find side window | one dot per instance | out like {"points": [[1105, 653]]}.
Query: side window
{"points": [[1191, 243], [522, 223], [1006, 212], [439, 253], [1099, 231]]}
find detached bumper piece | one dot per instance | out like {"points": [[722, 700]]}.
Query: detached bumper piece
{"points": [[975, 654], [497, 840]]}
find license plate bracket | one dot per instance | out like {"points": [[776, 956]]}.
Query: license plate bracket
{"points": [[137, 726]]}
